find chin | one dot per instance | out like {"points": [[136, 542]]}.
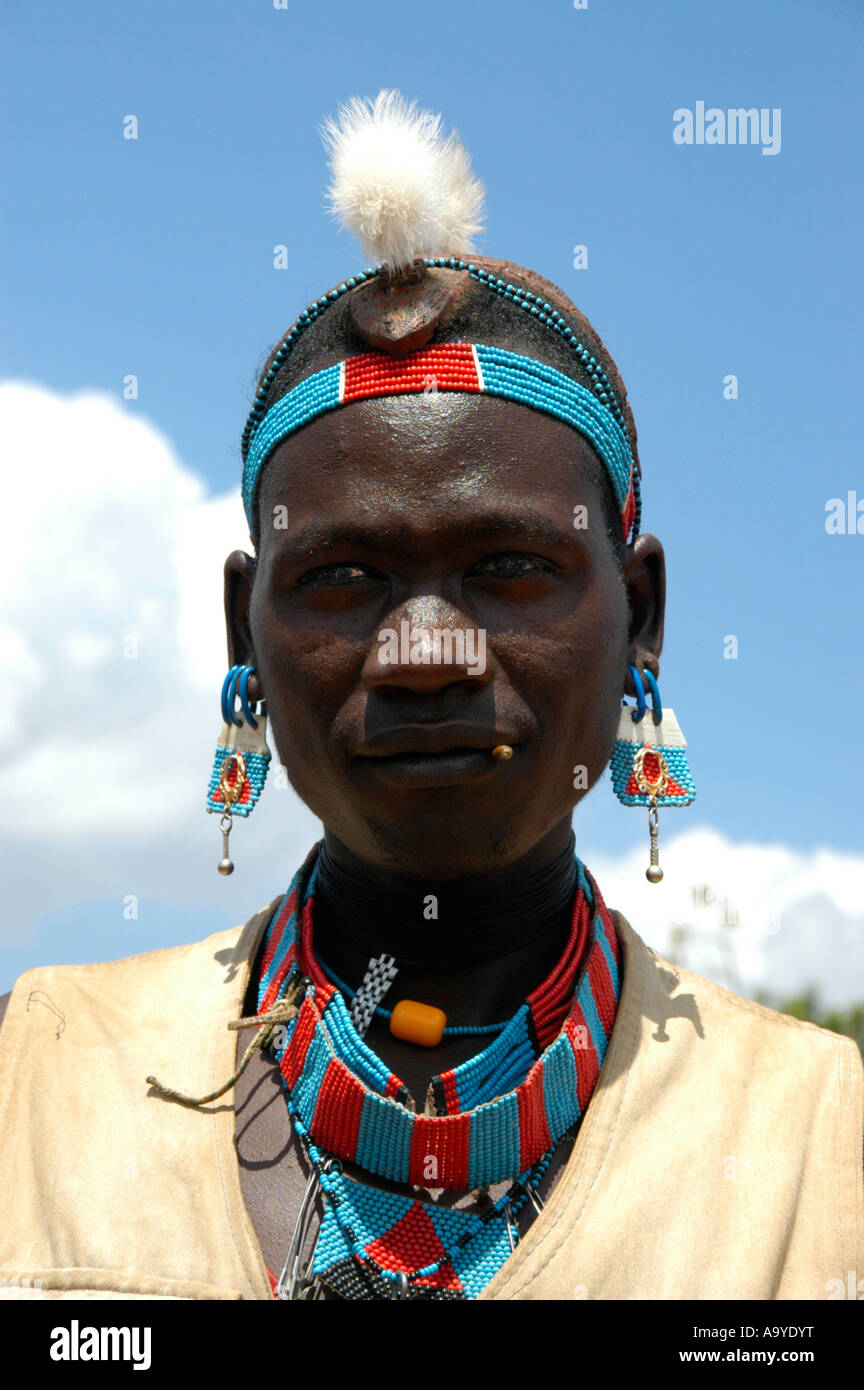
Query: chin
{"points": [[441, 840]]}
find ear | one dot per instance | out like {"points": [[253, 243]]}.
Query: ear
{"points": [[239, 578], [645, 578]]}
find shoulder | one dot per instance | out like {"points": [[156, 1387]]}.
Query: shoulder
{"points": [[674, 990], [169, 973]]}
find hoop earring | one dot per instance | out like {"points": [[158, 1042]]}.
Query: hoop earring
{"points": [[649, 764], [241, 760]]}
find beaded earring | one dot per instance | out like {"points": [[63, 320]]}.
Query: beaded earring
{"points": [[649, 764], [241, 760]]}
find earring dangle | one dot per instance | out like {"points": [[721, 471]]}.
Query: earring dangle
{"points": [[649, 764], [241, 759]]}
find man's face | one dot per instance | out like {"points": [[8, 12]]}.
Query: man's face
{"points": [[395, 518]]}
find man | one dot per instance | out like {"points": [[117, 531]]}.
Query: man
{"points": [[442, 448]]}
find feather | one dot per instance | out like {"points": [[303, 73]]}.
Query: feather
{"points": [[397, 184]]}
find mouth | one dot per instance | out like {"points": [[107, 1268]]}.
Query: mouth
{"points": [[433, 755]]}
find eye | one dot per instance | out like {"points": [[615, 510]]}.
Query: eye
{"points": [[334, 576], [512, 564]]}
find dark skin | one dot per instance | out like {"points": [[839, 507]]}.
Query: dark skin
{"points": [[420, 499], [450, 512]]}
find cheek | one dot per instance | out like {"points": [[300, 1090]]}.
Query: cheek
{"points": [[576, 659], [304, 671], [309, 681], [576, 680]]}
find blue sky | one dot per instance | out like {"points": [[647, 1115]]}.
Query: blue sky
{"points": [[155, 257]]}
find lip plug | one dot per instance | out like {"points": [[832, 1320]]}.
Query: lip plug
{"points": [[501, 752]]}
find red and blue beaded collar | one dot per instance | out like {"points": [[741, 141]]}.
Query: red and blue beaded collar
{"points": [[499, 1111], [504, 1111]]}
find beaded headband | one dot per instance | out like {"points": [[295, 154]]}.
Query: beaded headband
{"points": [[405, 191], [463, 367]]}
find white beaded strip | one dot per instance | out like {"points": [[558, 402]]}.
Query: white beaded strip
{"points": [[380, 974]]}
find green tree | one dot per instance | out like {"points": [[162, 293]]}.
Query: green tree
{"points": [[849, 1021]]}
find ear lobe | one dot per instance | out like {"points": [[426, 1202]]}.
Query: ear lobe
{"points": [[239, 578], [645, 575]]}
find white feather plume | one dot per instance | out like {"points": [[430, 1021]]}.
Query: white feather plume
{"points": [[398, 184]]}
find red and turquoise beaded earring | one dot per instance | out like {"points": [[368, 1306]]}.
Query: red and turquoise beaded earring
{"points": [[649, 763], [241, 760]]}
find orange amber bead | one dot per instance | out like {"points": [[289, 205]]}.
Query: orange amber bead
{"points": [[417, 1023]]}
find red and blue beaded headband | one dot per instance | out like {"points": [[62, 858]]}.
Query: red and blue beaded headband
{"points": [[459, 366]]}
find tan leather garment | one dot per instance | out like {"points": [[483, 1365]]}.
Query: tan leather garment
{"points": [[720, 1156]]}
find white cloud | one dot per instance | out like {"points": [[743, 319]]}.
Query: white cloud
{"points": [[117, 548], [112, 538], [776, 918], [99, 500]]}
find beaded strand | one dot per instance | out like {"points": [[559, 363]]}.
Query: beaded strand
{"points": [[464, 1030]]}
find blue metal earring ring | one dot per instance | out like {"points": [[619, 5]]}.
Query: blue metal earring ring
{"points": [[243, 692], [226, 686], [232, 693], [640, 694], [656, 706]]}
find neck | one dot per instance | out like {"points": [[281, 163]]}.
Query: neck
{"points": [[475, 947]]}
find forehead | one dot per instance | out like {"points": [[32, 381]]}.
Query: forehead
{"points": [[430, 459]]}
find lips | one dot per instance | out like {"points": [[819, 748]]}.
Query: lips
{"points": [[429, 739], [433, 755]]}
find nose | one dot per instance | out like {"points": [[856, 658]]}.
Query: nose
{"points": [[425, 645]]}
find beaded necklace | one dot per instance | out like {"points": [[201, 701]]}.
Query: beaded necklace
{"points": [[500, 1115], [464, 1030]]}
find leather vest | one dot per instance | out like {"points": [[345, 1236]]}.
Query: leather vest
{"points": [[719, 1158]]}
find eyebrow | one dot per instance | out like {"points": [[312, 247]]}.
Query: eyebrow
{"points": [[322, 536]]}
